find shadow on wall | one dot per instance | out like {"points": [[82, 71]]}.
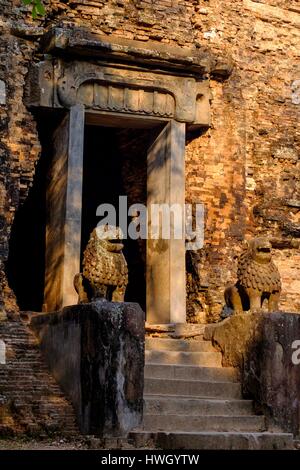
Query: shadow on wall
{"points": [[25, 266]]}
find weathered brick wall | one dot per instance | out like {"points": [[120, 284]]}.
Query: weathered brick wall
{"points": [[31, 401], [164, 20], [245, 168], [19, 145]]}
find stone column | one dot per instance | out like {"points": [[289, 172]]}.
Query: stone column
{"points": [[64, 201], [166, 288]]}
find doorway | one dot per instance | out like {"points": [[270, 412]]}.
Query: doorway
{"points": [[90, 159], [115, 164]]}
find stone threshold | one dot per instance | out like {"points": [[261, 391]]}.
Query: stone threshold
{"points": [[175, 330]]}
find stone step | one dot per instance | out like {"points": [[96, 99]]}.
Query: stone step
{"points": [[162, 404], [164, 422], [213, 440], [27, 364], [196, 388], [163, 344], [169, 371], [204, 359]]}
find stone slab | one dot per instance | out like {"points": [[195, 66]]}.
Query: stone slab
{"points": [[176, 331], [79, 41], [195, 388], [166, 371], [264, 347], [170, 344], [162, 404], [204, 359], [161, 422], [96, 353], [215, 440]]}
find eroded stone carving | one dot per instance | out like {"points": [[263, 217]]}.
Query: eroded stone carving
{"points": [[125, 99], [105, 273], [258, 279], [121, 89]]}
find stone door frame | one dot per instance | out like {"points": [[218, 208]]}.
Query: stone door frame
{"points": [[88, 75], [165, 259]]}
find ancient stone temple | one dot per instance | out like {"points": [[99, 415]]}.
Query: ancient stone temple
{"points": [[131, 103]]}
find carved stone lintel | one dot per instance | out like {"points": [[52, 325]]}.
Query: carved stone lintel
{"points": [[125, 77], [120, 89]]}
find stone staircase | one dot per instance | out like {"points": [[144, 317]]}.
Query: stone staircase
{"points": [[192, 402], [31, 401]]}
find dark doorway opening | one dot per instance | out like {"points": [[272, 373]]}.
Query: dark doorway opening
{"points": [[26, 262], [115, 164]]}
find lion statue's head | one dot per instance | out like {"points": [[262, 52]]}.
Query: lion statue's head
{"points": [[256, 269], [109, 237], [260, 250]]}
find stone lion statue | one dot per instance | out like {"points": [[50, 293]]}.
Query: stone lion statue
{"points": [[258, 279], [105, 273]]}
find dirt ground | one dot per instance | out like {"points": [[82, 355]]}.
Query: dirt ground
{"points": [[33, 444], [62, 443]]}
